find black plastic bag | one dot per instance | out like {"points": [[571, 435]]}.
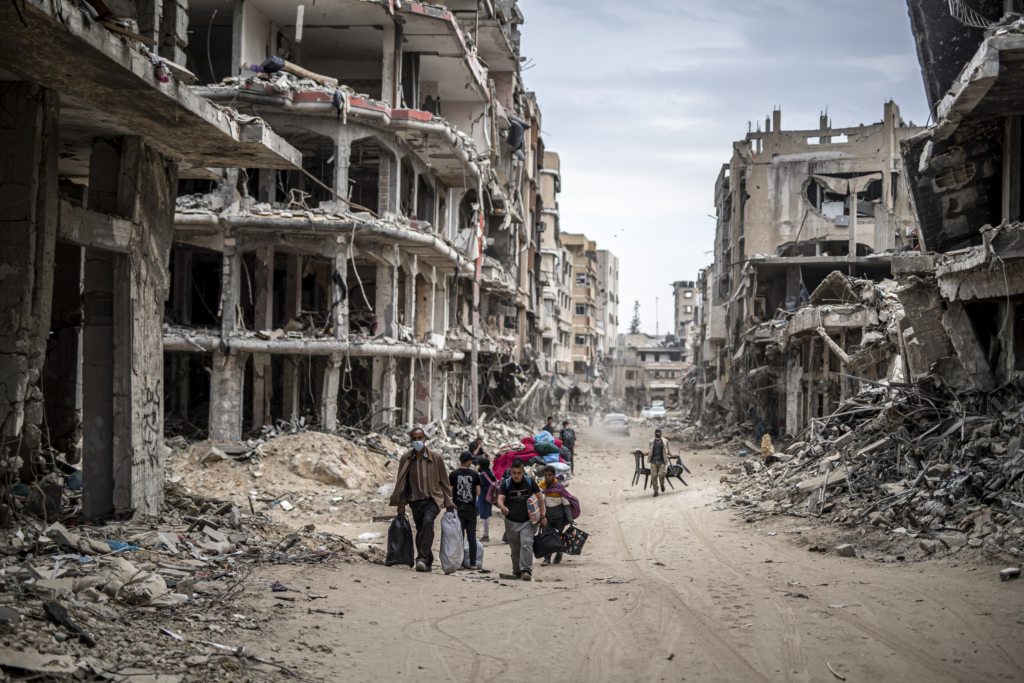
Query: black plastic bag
{"points": [[546, 542], [400, 545], [573, 539]]}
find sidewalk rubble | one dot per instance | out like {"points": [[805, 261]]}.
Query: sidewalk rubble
{"points": [[147, 601]]}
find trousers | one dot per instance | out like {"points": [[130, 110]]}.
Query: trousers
{"points": [[558, 517], [520, 543], [658, 473], [468, 520], [424, 512]]}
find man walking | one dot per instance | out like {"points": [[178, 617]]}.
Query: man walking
{"points": [[658, 452], [513, 497], [560, 506], [422, 483]]}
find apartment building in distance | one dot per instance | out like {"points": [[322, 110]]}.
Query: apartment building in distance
{"points": [[584, 305], [555, 323], [607, 298], [684, 294]]}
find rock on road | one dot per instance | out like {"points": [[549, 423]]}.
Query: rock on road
{"points": [[667, 589]]}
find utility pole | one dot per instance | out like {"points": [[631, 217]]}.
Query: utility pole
{"points": [[655, 317]]}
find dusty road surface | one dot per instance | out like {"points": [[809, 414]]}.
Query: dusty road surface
{"points": [[667, 589]]}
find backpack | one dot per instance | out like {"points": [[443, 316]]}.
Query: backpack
{"points": [[568, 437], [492, 490]]}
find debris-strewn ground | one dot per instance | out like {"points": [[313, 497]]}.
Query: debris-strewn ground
{"points": [[149, 601], [910, 461]]}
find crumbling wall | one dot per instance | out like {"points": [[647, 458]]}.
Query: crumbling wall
{"points": [[28, 229]]}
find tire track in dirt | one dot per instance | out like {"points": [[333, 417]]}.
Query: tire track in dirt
{"points": [[718, 649], [793, 659], [434, 624], [892, 642]]}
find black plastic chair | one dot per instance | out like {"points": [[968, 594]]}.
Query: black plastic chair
{"points": [[675, 469], [638, 456]]}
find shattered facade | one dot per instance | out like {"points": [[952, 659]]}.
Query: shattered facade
{"points": [[92, 157], [390, 280]]}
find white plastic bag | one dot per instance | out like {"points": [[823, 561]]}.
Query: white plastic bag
{"points": [[479, 554], [451, 542]]}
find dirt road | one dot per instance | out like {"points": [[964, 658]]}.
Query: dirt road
{"points": [[667, 589]]}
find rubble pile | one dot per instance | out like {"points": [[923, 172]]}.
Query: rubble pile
{"points": [[922, 461], [306, 473], [122, 601]]}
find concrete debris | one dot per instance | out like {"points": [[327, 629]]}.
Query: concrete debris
{"points": [[81, 614], [845, 550]]}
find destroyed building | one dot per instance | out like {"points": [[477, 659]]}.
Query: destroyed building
{"points": [[390, 280], [810, 301], [793, 207], [92, 158]]}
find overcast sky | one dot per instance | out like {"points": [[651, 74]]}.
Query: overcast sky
{"points": [[643, 101]]}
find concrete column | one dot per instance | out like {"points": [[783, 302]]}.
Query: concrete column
{"points": [[441, 292], [439, 391], [267, 189], [293, 287], [181, 378], [150, 17], [339, 288], [386, 305], [236, 38], [262, 390], [226, 391], [410, 395], [409, 314], [98, 385], [342, 156], [387, 88], [183, 285], [264, 286], [290, 383], [1012, 169], [387, 183], [231, 280], [423, 410], [29, 147], [385, 390], [329, 394]]}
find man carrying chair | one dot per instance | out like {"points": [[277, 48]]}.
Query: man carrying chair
{"points": [[659, 454]]}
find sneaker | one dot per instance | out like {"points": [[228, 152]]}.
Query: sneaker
{"points": [[655, 493], [421, 566], [546, 562], [663, 488], [558, 558], [476, 567], [484, 539], [527, 576]]}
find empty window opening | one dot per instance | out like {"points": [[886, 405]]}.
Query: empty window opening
{"points": [[831, 204], [364, 173]]}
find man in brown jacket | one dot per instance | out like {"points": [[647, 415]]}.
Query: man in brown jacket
{"points": [[422, 483]]}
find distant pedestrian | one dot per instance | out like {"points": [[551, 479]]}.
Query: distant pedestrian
{"points": [[513, 501], [465, 485], [483, 508], [590, 416], [550, 426], [422, 484], [476, 447], [568, 437], [659, 453]]}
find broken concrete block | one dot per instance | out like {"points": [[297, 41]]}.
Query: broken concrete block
{"points": [[327, 469], [1009, 573], [927, 546], [834, 289], [817, 482], [61, 536], [845, 550], [212, 455], [912, 263], [214, 534], [779, 494]]}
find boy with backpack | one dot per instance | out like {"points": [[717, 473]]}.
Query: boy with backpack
{"points": [[514, 500], [568, 439], [465, 488]]}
